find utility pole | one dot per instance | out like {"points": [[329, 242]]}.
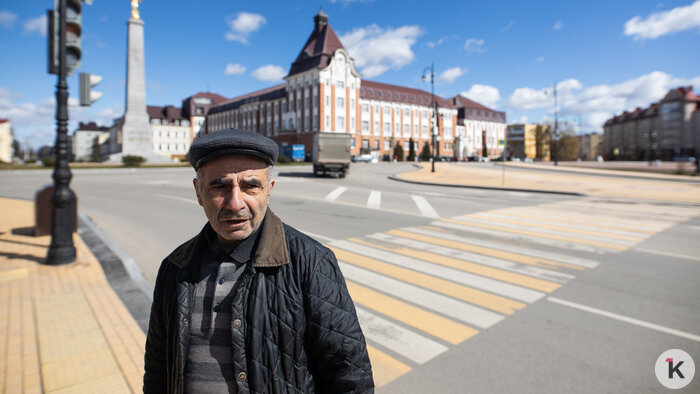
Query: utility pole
{"points": [[556, 128], [434, 131]]}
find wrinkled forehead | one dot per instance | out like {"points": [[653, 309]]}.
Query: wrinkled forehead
{"points": [[235, 164]]}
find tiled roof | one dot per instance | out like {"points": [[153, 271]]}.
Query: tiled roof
{"points": [[4, 120], [470, 109], [270, 93], [168, 112], [319, 48], [371, 90], [91, 126], [215, 98]]}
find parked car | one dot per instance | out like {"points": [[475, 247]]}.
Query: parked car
{"points": [[365, 158], [483, 159], [684, 158]]}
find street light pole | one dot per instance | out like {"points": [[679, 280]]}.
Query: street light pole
{"points": [[62, 250], [434, 131], [556, 127]]}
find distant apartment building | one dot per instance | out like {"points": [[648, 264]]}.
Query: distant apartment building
{"points": [[171, 131], [6, 139], [83, 141], [196, 107], [590, 146], [663, 130], [529, 141], [481, 131], [323, 92]]}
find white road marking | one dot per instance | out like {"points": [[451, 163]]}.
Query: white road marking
{"points": [[540, 273], [374, 200], [523, 237], [669, 254], [535, 222], [405, 342], [546, 231], [424, 207], [333, 195], [696, 228], [636, 322], [531, 252], [427, 299], [479, 282], [318, 237]]}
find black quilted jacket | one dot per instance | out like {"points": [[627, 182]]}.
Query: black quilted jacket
{"points": [[300, 333]]}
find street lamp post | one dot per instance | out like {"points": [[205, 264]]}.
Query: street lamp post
{"points": [[62, 250], [434, 131], [556, 127]]}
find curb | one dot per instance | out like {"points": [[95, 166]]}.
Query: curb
{"points": [[120, 270], [394, 178]]}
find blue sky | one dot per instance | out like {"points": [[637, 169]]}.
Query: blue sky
{"points": [[607, 56]]}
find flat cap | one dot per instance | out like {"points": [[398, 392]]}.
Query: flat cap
{"points": [[232, 142]]}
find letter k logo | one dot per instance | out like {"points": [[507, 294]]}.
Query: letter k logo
{"points": [[672, 369]]}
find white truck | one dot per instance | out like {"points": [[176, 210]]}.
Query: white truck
{"points": [[331, 154]]}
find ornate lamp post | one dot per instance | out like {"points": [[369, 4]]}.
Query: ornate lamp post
{"points": [[434, 131], [62, 250]]}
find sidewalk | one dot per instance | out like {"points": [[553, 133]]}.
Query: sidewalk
{"points": [[556, 181], [62, 328]]}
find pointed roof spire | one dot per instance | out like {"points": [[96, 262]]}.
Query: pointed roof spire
{"points": [[319, 48]]}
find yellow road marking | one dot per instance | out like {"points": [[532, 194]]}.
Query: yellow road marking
{"points": [[461, 292], [18, 273], [428, 322], [495, 273], [561, 228], [595, 214], [500, 254], [543, 235], [589, 221], [384, 367]]}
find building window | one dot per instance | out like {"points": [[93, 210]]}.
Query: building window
{"points": [[352, 143], [328, 100], [405, 147], [387, 111], [328, 121], [352, 123], [406, 130], [406, 112], [306, 122], [376, 109], [365, 108], [387, 145], [315, 122], [425, 131], [376, 127], [352, 103], [340, 102], [340, 84], [365, 125], [387, 128], [376, 144], [365, 144], [397, 129], [415, 130], [340, 122]]}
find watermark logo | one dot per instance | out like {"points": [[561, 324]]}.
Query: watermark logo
{"points": [[675, 369]]}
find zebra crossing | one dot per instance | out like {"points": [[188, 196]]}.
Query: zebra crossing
{"points": [[422, 290], [374, 201]]}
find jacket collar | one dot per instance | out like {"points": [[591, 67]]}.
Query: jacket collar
{"points": [[271, 250]]}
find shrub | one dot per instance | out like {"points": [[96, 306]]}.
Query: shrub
{"points": [[48, 161], [425, 153], [411, 150], [133, 160], [282, 159], [398, 152]]}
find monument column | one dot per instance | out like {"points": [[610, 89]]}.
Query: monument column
{"points": [[137, 138]]}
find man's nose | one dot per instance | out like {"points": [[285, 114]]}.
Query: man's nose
{"points": [[235, 199]]}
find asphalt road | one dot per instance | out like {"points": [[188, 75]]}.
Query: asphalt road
{"points": [[458, 290]]}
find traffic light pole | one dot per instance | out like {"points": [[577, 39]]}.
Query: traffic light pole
{"points": [[62, 250]]}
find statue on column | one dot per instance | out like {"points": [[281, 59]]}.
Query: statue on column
{"points": [[135, 9]]}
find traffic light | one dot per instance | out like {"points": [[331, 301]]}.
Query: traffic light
{"points": [[74, 31], [87, 82]]}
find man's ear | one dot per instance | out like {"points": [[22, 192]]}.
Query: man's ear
{"points": [[269, 191], [196, 190]]}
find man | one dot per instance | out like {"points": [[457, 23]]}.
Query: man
{"points": [[250, 304]]}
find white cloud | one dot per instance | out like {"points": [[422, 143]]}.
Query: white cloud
{"points": [[36, 25], [558, 25], [243, 25], [483, 94], [234, 69], [437, 43], [110, 113], [269, 73], [540, 59], [508, 26], [7, 19], [377, 50], [664, 22], [449, 75], [474, 45], [595, 104]]}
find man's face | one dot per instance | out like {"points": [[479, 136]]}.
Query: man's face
{"points": [[234, 192]]}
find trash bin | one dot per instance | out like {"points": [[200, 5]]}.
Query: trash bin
{"points": [[43, 211]]}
